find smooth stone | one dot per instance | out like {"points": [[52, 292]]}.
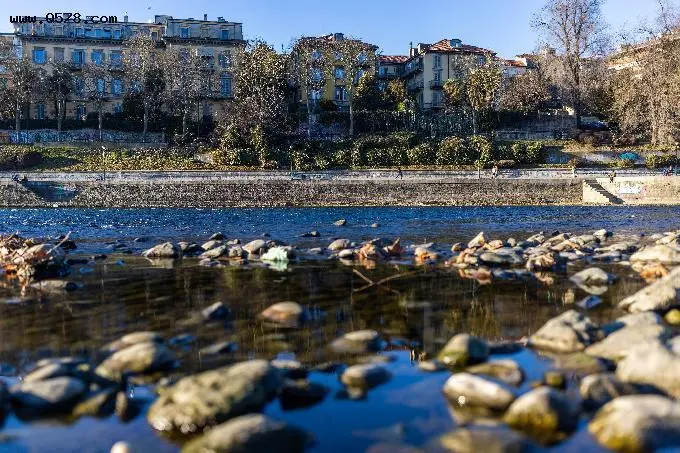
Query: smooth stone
{"points": [[121, 447], [357, 342], [222, 347], [602, 234], [139, 358], [291, 369], [501, 257], [568, 332], [673, 317], [505, 370], [598, 389], [215, 312], [215, 252], [579, 362], [55, 286], [457, 247], [617, 345], [253, 433], [219, 236], [431, 366], [211, 397], [301, 393], [554, 379], [255, 247], [633, 319], [346, 254], [165, 250], [477, 241], [365, 376], [99, 404], [592, 275], [652, 364], [284, 314], [340, 222], [133, 338], [51, 394], [487, 439], [661, 295], [638, 423], [478, 391], [545, 414], [49, 371], [464, 349], [190, 248], [661, 253]]}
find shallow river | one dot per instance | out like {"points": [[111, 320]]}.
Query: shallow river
{"points": [[422, 306]]}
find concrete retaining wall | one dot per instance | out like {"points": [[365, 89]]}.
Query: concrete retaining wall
{"points": [[263, 193], [641, 190]]}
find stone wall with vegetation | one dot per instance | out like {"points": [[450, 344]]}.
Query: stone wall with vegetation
{"points": [[303, 193]]}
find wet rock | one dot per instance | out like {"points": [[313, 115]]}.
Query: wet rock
{"points": [[569, 332], [617, 345], [165, 250], [478, 241], [425, 254], [673, 317], [660, 253], [126, 409], [346, 254], [590, 301], [554, 379], [236, 251], [339, 244], [217, 237], [462, 350], [285, 314], [661, 295], [58, 394], [256, 247], [652, 364], [487, 439], [190, 248], [215, 312], [633, 319], [506, 370], [494, 245], [340, 222], [121, 447], [182, 340], [291, 369], [365, 376], [602, 234], [140, 358], [478, 391], [501, 257], [55, 286], [542, 261], [132, 339], [212, 244], [545, 414], [579, 362], [212, 397], [215, 252], [49, 371], [372, 252], [222, 347], [301, 393], [395, 249], [598, 389], [457, 247], [310, 234], [431, 366], [357, 342], [253, 434], [638, 423], [593, 277], [99, 404]]}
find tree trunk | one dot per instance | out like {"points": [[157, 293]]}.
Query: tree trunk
{"points": [[146, 122], [309, 119], [351, 118], [60, 112], [474, 122], [100, 122], [184, 125], [17, 120]]}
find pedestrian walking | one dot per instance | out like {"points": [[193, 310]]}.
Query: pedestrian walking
{"points": [[494, 172], [573, 171], [401, 175], [670, 170], [612, 175]]}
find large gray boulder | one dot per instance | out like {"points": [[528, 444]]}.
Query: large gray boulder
{"points": [[505, 256], [464, 349], [487, 439], [365, 376], [633, 319], [139, 358], [661, 253], [478, 391], [253, 433], [57, 394], [357, 342], [653, 364], [638, 423], [165, 250], [617, 345], [215, 396], [506, 370], [661, 295], [569, 332]]}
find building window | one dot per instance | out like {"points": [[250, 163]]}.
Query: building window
{"points": [[97, 57], [316, 55], [184, 32], [78, 86], [437, 61], [101, 86], [81, 112], [383, 70], [39, 55], [315, 95], [99, 33], [40, 111], [107, 33], [317, 75], [79, 32], [357, 77], [436, 99], [154, 35], [438, 75], [89, 33], [117, 87], [225, 86], [59, 30], [58, 54], [224, 59], [116, 59], [224, 34], [118, 108], [116, 33], [339, 72], [77, 57], [340, 94], [362, 58]]}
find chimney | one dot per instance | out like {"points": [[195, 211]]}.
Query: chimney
{"points": [[205, 17], [412, 52], [125, 18], [339, 36]]}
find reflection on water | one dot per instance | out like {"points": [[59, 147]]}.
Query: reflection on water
{"points": [[426, 307]]}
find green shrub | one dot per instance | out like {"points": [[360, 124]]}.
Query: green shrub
{"points": [[343, 158], [453, 151], [422, 154], [660, 160], [404, 139], [480, 149], [503, 151], [236, 157], [378, 157], [505, 163], [302, 161], [14, 157], [322, 162], [518, 152], [534, 152], [622, 163]]}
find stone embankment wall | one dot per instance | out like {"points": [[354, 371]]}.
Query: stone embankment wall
{"points": [[263, 193], [641, 190]]}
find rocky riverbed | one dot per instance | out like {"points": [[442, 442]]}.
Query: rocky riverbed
{"points": [[550, 341]]}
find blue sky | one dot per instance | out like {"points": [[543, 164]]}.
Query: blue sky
{"points": [[500, 25]]}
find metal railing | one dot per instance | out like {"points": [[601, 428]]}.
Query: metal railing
{"points": [[436, 84]]}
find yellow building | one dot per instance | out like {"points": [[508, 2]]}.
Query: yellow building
{"points": [[44, 40], [334, 76]]}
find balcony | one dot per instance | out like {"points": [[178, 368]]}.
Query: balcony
{"points": [[436, 84], [414, 85], [413, 67]]}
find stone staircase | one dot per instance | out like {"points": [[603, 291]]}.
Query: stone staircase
{"points": [[593, 192]]}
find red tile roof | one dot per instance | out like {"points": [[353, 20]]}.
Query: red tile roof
{"points": [[393, 59], [515, 63], [445, 46]]}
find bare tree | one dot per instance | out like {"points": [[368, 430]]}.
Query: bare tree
{"points": [[97, 79], [60, 83], [311, 69], [577, 31], [482, 88], [524, 93], [23, 81]]}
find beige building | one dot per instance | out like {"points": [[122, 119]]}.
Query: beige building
{"points": [[102, 44]]}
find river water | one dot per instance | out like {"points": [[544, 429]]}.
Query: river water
{"points": [[421, 306]]}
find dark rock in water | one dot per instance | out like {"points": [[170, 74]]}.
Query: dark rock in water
{"points": [[291, 369], [51, 395], [507, 371], [478, 391], [598, 389], [190, 248], [140, 358], [165, 250], [357, 342], [365, 376], [140, 239], [50, 371], [462, 350], [252, 434], [182, 340], [223, 347], [569, 332], [99, 404], [98, 257], [68, 244], [212, 397], [76, 261], [266, 235], [491, 439], [215, 312], [217, 237], [310, 234], [544, 413], [301, 393], [638, 423]]}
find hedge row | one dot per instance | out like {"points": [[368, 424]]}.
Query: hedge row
{"points": [[18, 157]]}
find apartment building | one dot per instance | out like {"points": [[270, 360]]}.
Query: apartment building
{"points": [[102, 44], [335, 87]]}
